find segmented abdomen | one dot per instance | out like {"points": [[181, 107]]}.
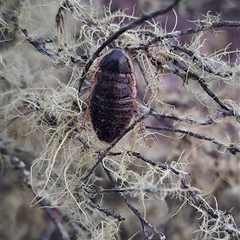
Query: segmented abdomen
{"points": [[111, 104]]}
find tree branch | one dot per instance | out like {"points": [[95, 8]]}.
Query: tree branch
{"points": [[143, 221], [209, 121], [189, 31], [225, 221], [232, 149]]}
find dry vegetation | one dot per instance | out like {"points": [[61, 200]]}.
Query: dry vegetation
{"points": [[177, 179]]}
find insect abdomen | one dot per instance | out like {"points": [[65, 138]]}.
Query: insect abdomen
{"points": [[113, 94]]}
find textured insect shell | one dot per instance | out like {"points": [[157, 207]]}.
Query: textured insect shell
{"points": [[113, 94]]}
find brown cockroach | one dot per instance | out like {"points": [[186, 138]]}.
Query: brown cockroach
{"points": [[113, 93]]}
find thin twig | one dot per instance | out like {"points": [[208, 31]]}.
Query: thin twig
{"points": [[105, 210], [40, 43], [211, 119], [232, 149], [203, 84], [123, 190], [84, 143], [48, 210], [157, 164], [111, 190], [190, 31], [197, 60], [202, 28]]}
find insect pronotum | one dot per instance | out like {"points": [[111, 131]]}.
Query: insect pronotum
{"points": [[113, 94]]}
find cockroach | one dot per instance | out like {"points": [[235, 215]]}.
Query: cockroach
{"points": [[113, 93]]}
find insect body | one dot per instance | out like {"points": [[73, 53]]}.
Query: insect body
{"points": [[113, 94]]}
